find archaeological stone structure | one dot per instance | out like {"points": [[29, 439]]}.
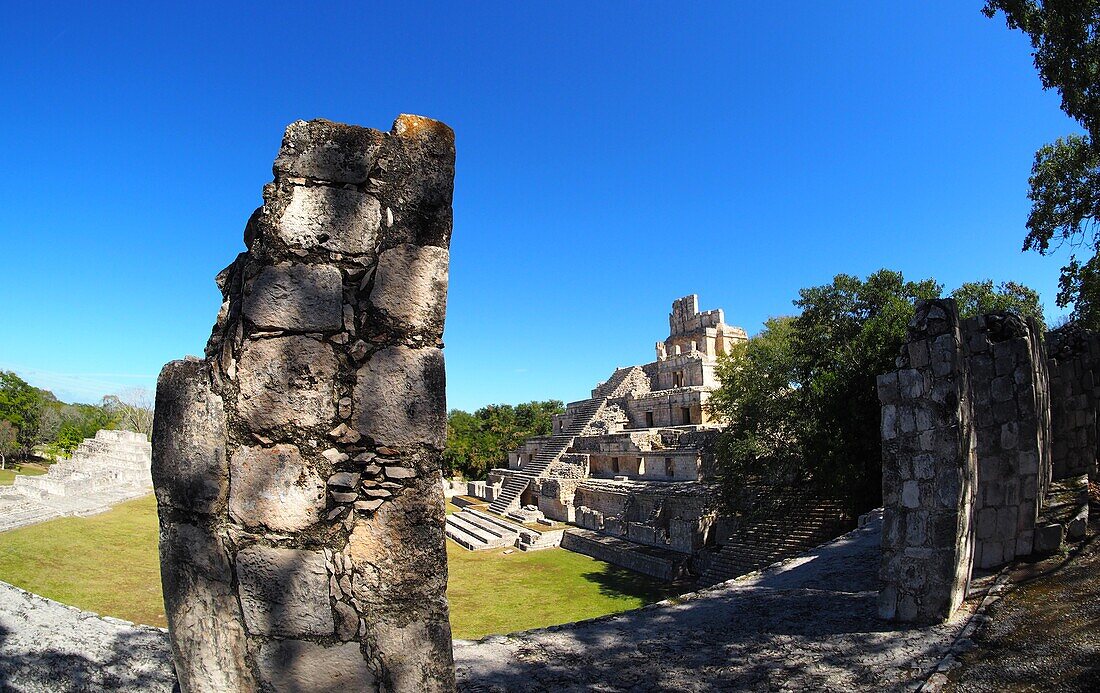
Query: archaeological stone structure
{"points": [[297, 465], [609, 461], [628, 472], [978, 424], [111, 467]]}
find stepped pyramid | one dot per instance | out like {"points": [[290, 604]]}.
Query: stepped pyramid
{"points": [[111, 461]]}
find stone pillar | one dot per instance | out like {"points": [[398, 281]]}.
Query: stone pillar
{"points": [[1074, 357], [298, 466], [928, 461], [1009, 398]]}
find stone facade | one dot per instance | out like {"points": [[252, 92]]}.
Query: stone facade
{"points": [[929, 475], [1010, 401], [633, 460], [112, 460], [1075, 397], [297, 467], [975, 423]]}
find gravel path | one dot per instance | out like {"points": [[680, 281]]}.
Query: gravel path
{"points": [[47, 646], [807, 624], [1044, 634]]}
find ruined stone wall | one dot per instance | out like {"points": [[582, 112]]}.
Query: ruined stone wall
{"points": [[928, 471], [297, 467], [1009, 396], [1074, 396]]}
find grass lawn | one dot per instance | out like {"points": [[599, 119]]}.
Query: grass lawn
{"points": [[7, 476], [108, 563]]}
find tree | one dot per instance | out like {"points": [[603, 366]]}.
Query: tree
{"points": [[800, 398], [979, 298], [131, 410], [20, 405], [9, 441], [1065, 176], [480, 441]]}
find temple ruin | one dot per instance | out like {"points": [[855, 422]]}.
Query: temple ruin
{"points": [[297, 466], [104, 470], [988, 440], [629, 470]]}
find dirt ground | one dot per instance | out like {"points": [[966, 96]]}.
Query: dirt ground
{"points": [[1045, 633]]}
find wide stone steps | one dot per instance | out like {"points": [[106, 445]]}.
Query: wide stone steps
{"points": [[555, 446], [472, 530], [795, 525]]}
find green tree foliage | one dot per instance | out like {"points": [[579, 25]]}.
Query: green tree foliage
{"points": [[21, 406], [481, 441], [978, 298], [1065, 176], [39, 418], [800, 398]]}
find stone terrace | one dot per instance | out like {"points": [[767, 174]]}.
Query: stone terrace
{"points": [[809, 623]]}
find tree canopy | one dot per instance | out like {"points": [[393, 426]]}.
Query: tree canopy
{"points": [[1065, 176], [37, 418], [481, 441], [800, 399]]}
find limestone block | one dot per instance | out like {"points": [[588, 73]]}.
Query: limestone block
{"points": [[400, 396], [1048, 538], [416, 655], [292, 296], [404, 539], [274, 488], [284, 592], [189, 465], [287, 380], [410, 286], [208, 643], [344, 221], [323, 150], [306, 667]]}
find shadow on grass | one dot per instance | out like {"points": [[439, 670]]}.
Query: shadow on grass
{"points": [[614, 581]]}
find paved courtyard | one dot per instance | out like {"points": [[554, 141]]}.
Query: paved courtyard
{"points": [[809, 623]]}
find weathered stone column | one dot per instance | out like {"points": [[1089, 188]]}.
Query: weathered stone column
{"points": [[297, 467], [1075, 395], [928, 471], [1009, 397]]}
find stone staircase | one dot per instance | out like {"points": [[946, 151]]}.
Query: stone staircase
{"points": [[609, 389], [797, 522], [112, 461], [478, 531], [557, 444]]}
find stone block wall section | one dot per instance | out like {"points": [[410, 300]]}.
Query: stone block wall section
{"points": [[297, 467], [1010, 400], [1075, 397], [928, 471]]}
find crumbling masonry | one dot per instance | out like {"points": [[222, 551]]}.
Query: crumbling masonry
{"points": [[297, 467], [968, 450]]}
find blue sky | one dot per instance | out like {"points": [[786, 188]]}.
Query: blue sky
{"points": [[611, 157]]}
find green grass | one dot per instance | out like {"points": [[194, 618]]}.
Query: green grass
{"points": [[108, 564], [7, 476]]}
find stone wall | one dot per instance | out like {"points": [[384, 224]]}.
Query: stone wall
{"points": [[973, 423], [928, 471], [1075, 395], [1009, 398], [297, 467]]}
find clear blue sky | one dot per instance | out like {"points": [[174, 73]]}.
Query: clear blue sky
{"points": [[611, 157]]}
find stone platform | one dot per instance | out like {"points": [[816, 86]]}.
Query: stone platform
{"points": [[103, 471], [807, 624]]}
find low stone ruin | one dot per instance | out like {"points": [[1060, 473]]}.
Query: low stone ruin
{"points": [[297, 466], [111, 461], [102, 472], [971, 440]]}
